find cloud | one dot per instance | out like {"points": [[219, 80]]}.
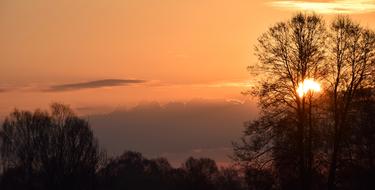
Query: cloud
{"points": [[328, 7], [94, 84], [176, 130]]}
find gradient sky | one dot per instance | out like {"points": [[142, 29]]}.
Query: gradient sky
{"points": [[179, 49], [99, 55]]}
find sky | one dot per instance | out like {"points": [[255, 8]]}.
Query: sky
{"points": [[105, 56]]}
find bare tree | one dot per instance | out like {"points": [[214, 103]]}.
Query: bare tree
{"points": [[56, 150], [342, 59], [289, 52], [352, 65]]}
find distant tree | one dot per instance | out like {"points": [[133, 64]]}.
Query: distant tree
{"points": [[125, 171], [200, 173], [229, 178], [132, 171], [41, 150]]}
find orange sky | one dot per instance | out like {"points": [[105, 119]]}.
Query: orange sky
{"points": [[181, 50]]}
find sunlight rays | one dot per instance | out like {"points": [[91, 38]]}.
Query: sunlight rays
{"points": [[308, 85], [328, 7]]}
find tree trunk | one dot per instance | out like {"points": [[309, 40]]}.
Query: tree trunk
{"points": [[333, 166]]}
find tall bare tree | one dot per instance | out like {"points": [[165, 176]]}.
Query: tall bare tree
{"points": [[342, 59], [289, 52], [352, 69]]}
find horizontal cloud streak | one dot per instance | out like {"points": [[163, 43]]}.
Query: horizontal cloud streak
{"points": [[94, 84], [328, 7]]}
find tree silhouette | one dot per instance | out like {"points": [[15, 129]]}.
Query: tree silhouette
{"points": [[57, 150], [49, 151], [200, 173], [132, 171], [289, 52], [357, 158], [353, 59], [309, 134], [229, 178]]}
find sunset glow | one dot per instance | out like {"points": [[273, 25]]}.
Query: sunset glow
{"points": [[170, 78], [308, 85]]}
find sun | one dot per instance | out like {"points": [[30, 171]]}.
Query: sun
{"points": [[308, 85]]}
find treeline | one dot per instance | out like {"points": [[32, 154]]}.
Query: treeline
{"points": [[57, 150]]}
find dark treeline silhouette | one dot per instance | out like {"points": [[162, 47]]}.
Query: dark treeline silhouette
{"points": [[57, 150]]}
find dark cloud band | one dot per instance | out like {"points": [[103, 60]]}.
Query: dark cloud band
{"points": [[94, 84]]}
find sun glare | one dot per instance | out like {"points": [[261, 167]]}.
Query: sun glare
{"points": [[306, 86]]}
